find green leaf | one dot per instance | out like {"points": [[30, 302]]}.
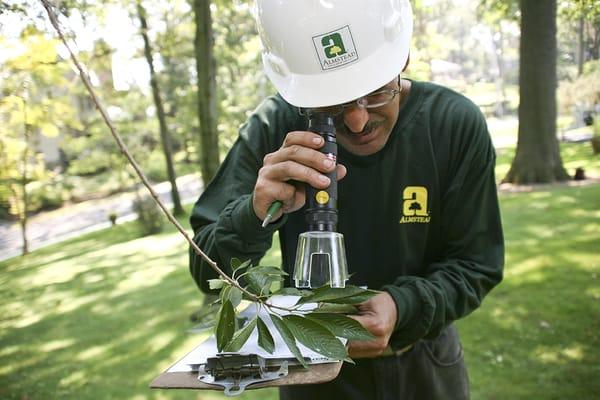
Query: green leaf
{"points": [[216, 283], [356, 299], [270, 270], [316, 337], [224, 295], [265, 340], [342, 326], [260, 279], [336, 308], [288, 338], [241, 337], [238, 266], [225, 325], [235, 263], [328, 294], [290, 291], [235, 296]]}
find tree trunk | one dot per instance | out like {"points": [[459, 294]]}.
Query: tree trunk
{"points": [[207, 98], [580, 46], [165, 138], [24, 177], [538, 157]]}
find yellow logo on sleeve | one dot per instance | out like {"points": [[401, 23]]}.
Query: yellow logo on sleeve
{"points": [[415, 205]]}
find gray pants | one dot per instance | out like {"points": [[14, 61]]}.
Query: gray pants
{"points": [[431, 369]]}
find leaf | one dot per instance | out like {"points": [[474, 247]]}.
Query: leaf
{"points": [[288, 338], [225, 325], [238, 266], [270, 270], [224, 295], [290, 291], [241, 337], [316, 337], [356, 299], [336, 308], [328, 294], [342, 326], [265, 339], [216, 283], [260, 279], [235, 296], [49, 130]]}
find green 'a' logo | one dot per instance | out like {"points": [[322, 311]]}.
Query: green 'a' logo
{"points": [[333, 45]]}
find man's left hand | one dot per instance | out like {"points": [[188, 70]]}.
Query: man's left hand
{"points": [[378, 315]]}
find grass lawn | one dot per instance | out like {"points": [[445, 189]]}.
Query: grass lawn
{"points": [[99, 316]]}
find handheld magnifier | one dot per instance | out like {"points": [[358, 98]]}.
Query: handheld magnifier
{"points": [[321, 255]]}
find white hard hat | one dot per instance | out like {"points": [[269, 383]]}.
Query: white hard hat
{"points": [[319, 53]]}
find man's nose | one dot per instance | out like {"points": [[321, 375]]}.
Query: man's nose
{"points": [[356, 118]]}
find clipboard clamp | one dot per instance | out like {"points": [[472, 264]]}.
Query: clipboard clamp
{"points": [[235, 371]]}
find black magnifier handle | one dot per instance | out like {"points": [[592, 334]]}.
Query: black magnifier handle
{"points": [[321, 204]]}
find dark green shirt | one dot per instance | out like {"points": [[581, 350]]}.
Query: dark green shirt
{"points": [[420, 217]]}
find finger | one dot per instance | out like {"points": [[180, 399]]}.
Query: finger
{"points": [[302, 155], [304, 139], [292, 170], [341, 171], [266, 192]]}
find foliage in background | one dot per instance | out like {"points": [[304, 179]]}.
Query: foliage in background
{"points": [[34, 106], [149, 217], [583, 93]]}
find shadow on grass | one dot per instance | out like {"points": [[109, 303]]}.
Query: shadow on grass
{"points": [[98, 317], [538, 334]]}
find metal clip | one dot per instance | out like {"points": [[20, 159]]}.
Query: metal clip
{"points": [[234, 372]]}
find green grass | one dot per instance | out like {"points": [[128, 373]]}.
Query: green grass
{"points": [[100, 316], [537, 336]]}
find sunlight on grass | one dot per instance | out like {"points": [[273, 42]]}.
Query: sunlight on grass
{"points": [[100, 316], [92, 352], [559, 356]]}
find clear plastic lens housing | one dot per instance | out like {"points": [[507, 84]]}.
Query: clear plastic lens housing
{"points": [[320, 260]]}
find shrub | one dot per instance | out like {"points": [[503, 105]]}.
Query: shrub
{"points": [[150, 217]]}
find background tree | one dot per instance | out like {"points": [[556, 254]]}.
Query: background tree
{"points": [[34, 105], [206, 82], [537, 159], [165, 137]]}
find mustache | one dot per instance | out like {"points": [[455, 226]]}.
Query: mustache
{"points": [[368, 128]]}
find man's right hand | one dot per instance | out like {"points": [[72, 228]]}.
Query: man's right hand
{"points": [[298, 160]]}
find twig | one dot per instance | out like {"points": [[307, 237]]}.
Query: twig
{"points": [[132, 161]]}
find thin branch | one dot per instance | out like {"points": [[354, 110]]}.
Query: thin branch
{"points": [[132, 161]]}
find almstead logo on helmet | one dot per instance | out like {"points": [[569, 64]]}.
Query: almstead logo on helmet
{"points": [[335, 48]]}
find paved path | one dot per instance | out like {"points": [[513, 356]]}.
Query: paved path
{"points": [[54, 226]]}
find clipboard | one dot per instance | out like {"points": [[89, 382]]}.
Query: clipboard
{"points": [[184, 373]]}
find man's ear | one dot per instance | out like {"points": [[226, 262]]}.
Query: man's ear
{"points": [[407, 62]]}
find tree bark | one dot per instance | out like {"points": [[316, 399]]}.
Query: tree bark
{"points": [[538, 157], [207, 98], [165, 137], [24, 177], [580, 46]]}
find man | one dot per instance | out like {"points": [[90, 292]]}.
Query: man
{"points": [[417, 199]]}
